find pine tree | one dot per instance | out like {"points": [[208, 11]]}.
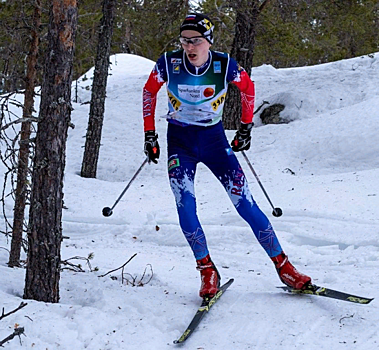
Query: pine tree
{"points": [[45, 228], [23, 154], [99, 86]]}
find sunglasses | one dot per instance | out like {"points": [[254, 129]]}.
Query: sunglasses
{"points": [[196, 40]]}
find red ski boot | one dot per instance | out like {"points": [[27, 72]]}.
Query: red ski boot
{"points": [[210, 278], [288, 274]]}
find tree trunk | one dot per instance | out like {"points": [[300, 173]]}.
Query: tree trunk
{"points": [[242, 51], [45, 230], [244, 39], [23, 155], [231, 117], [99, 85]]}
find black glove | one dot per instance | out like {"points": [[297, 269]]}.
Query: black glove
{"points": [[241, 141], [151, 149]]}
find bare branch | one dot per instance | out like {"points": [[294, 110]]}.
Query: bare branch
{"points": [[133, 282], [259, 108], [18, 121], [121, 267], [17, 332], [77, 267], [141, 283], [5, 249], [13, 311]]}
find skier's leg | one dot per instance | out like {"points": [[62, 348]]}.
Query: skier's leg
{"points": [[228, 170], [235, 184], [181, 171], [221, 160], [182, 161]]}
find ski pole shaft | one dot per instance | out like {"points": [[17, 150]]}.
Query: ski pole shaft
{"points": [[276, 211], [130, 182], [108, 211]]}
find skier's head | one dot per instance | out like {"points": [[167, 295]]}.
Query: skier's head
{"points": [[200, 23], [196, 37]]}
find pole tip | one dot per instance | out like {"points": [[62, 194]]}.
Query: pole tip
{"points": [[107, 211], [277, 212]]}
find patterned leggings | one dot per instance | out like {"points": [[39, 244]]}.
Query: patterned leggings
{"points": [[189, 145]]}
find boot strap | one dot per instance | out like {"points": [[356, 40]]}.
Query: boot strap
{"points": [[204, 266], [278, 264]]}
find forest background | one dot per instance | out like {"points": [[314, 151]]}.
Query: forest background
{"points": [[49, 43], [289, 33]]}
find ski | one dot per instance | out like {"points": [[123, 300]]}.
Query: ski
{"points": [[312, 289], [202, 310]]}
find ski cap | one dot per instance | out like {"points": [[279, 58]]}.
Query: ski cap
{"points": [[200, 23]]}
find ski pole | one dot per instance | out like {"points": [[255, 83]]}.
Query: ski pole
{"points": [[109, 211], [276, 211]]}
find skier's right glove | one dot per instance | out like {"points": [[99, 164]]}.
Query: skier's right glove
{"points": [[241, 141], [151, 148]]}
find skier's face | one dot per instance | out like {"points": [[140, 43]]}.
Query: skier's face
{"points": [[197, 49]]}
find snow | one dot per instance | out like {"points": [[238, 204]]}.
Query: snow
{"points": [[322, 169]]}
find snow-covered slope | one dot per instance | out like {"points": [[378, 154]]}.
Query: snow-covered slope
{"points": [[322, 169]]}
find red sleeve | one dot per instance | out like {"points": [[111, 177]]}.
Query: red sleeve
{"points": [[247, 89], [149, 99]]}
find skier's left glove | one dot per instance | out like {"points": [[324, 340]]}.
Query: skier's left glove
{"points": [[242, 139], [151, 148]]}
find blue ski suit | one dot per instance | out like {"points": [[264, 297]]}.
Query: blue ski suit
{"points": [[195, 134]]}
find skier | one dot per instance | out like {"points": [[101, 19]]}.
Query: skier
{"points": [[197, 81]]}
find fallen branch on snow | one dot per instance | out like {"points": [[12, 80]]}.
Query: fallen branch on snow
{"points": [[78, 267], [17, 332], [121, 267], [141, 282], [13, 311], [133, 280]]}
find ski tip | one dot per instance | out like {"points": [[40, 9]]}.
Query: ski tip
{"points": [[313, 289], [362, 300], [178, 341], [230, 281], [181, 340]]}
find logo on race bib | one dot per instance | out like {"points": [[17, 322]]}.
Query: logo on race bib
{"points": [[176, 68], [217, 67], [196, 93], [208, 92]]}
